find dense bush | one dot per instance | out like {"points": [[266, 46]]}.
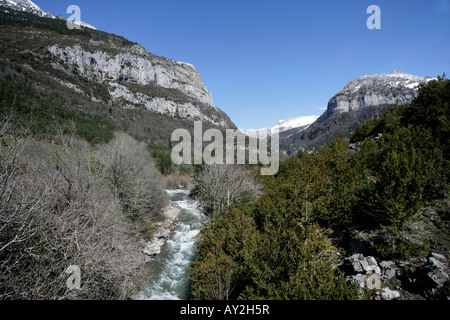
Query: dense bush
{"points": [[278, 246], [43, 115], [218, 186], [59, 208], [132, 177]]}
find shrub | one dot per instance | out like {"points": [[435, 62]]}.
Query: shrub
{"points": [[218, 186], [58, 212], [132, 176]]}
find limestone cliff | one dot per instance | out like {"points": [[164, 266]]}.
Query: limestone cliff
{"points": [[376, 90], [360, 100], [187, 96], [134, 78]]}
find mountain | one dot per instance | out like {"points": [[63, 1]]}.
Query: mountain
{"points": [[376, 90], [94, 72], [78, 22], [25, 6], [302, 122], [31, 7], [129, 74], [360, 100]]}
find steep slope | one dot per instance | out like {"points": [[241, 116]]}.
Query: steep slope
{"points": [[25, 6], [376, 90], [31, 7], [360, 100], [105, 74]]}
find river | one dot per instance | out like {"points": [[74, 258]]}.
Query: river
{"points": [[169, 280]]}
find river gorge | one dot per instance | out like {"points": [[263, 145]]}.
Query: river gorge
{"points": [[169, 279]]}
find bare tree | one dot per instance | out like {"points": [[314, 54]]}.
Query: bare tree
{"points": [[133, 176], [57, 211], [217, 186]]}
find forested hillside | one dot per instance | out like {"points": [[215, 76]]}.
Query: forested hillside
{"points": [[387, 188]]}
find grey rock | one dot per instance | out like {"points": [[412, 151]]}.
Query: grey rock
{"points": [[371, 261], [439, 257], [355, 257], [357, 266], [377, 270], [386, 264], [161, 232], [430, 276], [360, 279], [365, 265], [435, 263], [387, 274], [375, 90], [438, 277], [388, 294], [154, 247], [134, 65], [359, 263]]}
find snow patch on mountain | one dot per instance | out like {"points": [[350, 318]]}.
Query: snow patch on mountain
{"points": [[283, 125], [376, 90], [31, 7], [25, 6]]}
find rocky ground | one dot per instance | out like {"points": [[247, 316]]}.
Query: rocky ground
{"points": [[164, 228], [425, 275], [416, 279]]}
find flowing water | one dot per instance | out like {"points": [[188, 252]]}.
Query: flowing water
{"points": [[169, 280]]}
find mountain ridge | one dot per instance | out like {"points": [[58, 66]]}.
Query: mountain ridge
{"points": [[360, 100], [302, 122], [31, 7], [114, 77], [26, 6]]}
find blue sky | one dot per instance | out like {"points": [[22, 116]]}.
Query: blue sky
{"points": [[269, 60]]}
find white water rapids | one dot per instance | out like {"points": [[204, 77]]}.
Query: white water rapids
{"points": [[170, 278]]}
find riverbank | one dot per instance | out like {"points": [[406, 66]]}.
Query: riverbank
{"points": [[163, 231]]}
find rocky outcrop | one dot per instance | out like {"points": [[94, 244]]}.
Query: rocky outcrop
{"points": [[160, 236], [25, 6], [133, 77], [161, 85], [162, 105], [360, 100], [388, 294], [135, 65], [427, 278], [376, 90], [409, 279], [367, 273]]}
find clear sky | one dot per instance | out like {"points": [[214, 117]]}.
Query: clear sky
{"points": [[269, 60]]}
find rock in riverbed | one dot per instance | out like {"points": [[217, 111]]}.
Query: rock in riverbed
{"points": [[165, 227]]}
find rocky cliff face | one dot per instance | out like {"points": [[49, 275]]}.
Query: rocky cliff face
{"points": [[360, 100], [135, 65], [187, 98], [376, 90], [25, 6], [134, 78]]}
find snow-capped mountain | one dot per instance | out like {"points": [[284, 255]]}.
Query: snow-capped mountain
{"points": [[361, 99], [31, 7], [26, 6], [302, 122], [84, 24], [375, 90], [81, 23]]}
